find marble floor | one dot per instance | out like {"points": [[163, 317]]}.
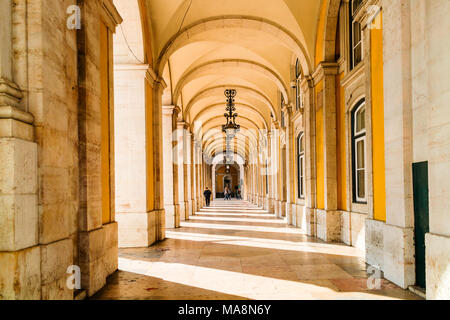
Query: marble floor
{"points": [[234, 250]]}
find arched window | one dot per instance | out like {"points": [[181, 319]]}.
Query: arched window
{"points": [[355, 35], [298, 90], [359, 152], [301, 166], [267, 177]]}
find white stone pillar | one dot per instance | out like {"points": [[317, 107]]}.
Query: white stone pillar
{"points": [[187, 145], [181, 164], [277, 172], [134, 227], [329, 219], [398, 234], [170, 169], [213, 177], [309, 120], [289, 174]]}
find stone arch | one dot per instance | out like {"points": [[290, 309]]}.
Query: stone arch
{"points": [[330, 29], [190, 75], [256, 23], [247, 106], [209, 92]]}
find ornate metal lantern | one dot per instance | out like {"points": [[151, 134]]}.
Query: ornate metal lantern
{"points": [[230, 128]]}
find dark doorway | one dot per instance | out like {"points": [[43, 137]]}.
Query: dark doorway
{"points": [[421, 218]]}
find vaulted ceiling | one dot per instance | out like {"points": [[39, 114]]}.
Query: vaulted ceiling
{"points": [[202, 47]]}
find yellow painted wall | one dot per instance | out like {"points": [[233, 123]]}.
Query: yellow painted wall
{"points": [[320, 32], [341, 146], [319, 147], [105, 123], [149, 146], [379, 187]]}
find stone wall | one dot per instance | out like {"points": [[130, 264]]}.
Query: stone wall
{"points": [[430, 67], [57, 220]]}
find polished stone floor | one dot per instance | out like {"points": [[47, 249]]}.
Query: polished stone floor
{"points": [[234, 250]]}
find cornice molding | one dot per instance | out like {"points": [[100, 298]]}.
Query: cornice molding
{"points": [[325, 69], [9, 112], [110, 14]]}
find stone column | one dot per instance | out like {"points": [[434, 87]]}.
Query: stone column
{"points": [[169, 116], [277, 172], [193, 175], [309, 119], [188, 168], [182, 174], [270, 171], [20, 255], [398, 232], [200, 175], [289, 173], [329, 219], [198, 178], [158, 214], [135, 228]]}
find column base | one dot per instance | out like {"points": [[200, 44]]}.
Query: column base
{"points": [[391, 249], [398, 254], [288, 213], [138, 230], [278, 208], [98, 256], [353, 229], [20, 274], [271, 205], [374, 243], [183, 207], [329, 225], [190, 209], [283, 209], [172, 215], [437, 258], [311, 221]]}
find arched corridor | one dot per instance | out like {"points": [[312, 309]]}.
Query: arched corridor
{"points": [[255, 256], [326, 122]]}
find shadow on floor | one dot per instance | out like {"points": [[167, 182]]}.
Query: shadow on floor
{"points": [[214, 260]]}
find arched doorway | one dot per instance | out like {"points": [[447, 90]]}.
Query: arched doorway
{"points": [[227, 175]]}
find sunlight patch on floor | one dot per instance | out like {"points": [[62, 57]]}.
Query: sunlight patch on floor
{"points": [[237, 283], [324, 248], [286, 230]]}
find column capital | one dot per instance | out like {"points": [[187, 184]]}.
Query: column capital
{"points": [[10, 93], [170, 110], [133, 67], [325, 69], [182, 125]]}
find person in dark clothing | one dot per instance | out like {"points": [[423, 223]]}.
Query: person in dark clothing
{"points": [[207, 193]]}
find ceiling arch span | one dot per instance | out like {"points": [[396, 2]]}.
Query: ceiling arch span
{"points": [[187, 35], [219, 157], [213, 148], [239, 106], [218, 91], [214, 123], [331, 21], [214, 134], [243, 143], [216, 65], [240, 138]]}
